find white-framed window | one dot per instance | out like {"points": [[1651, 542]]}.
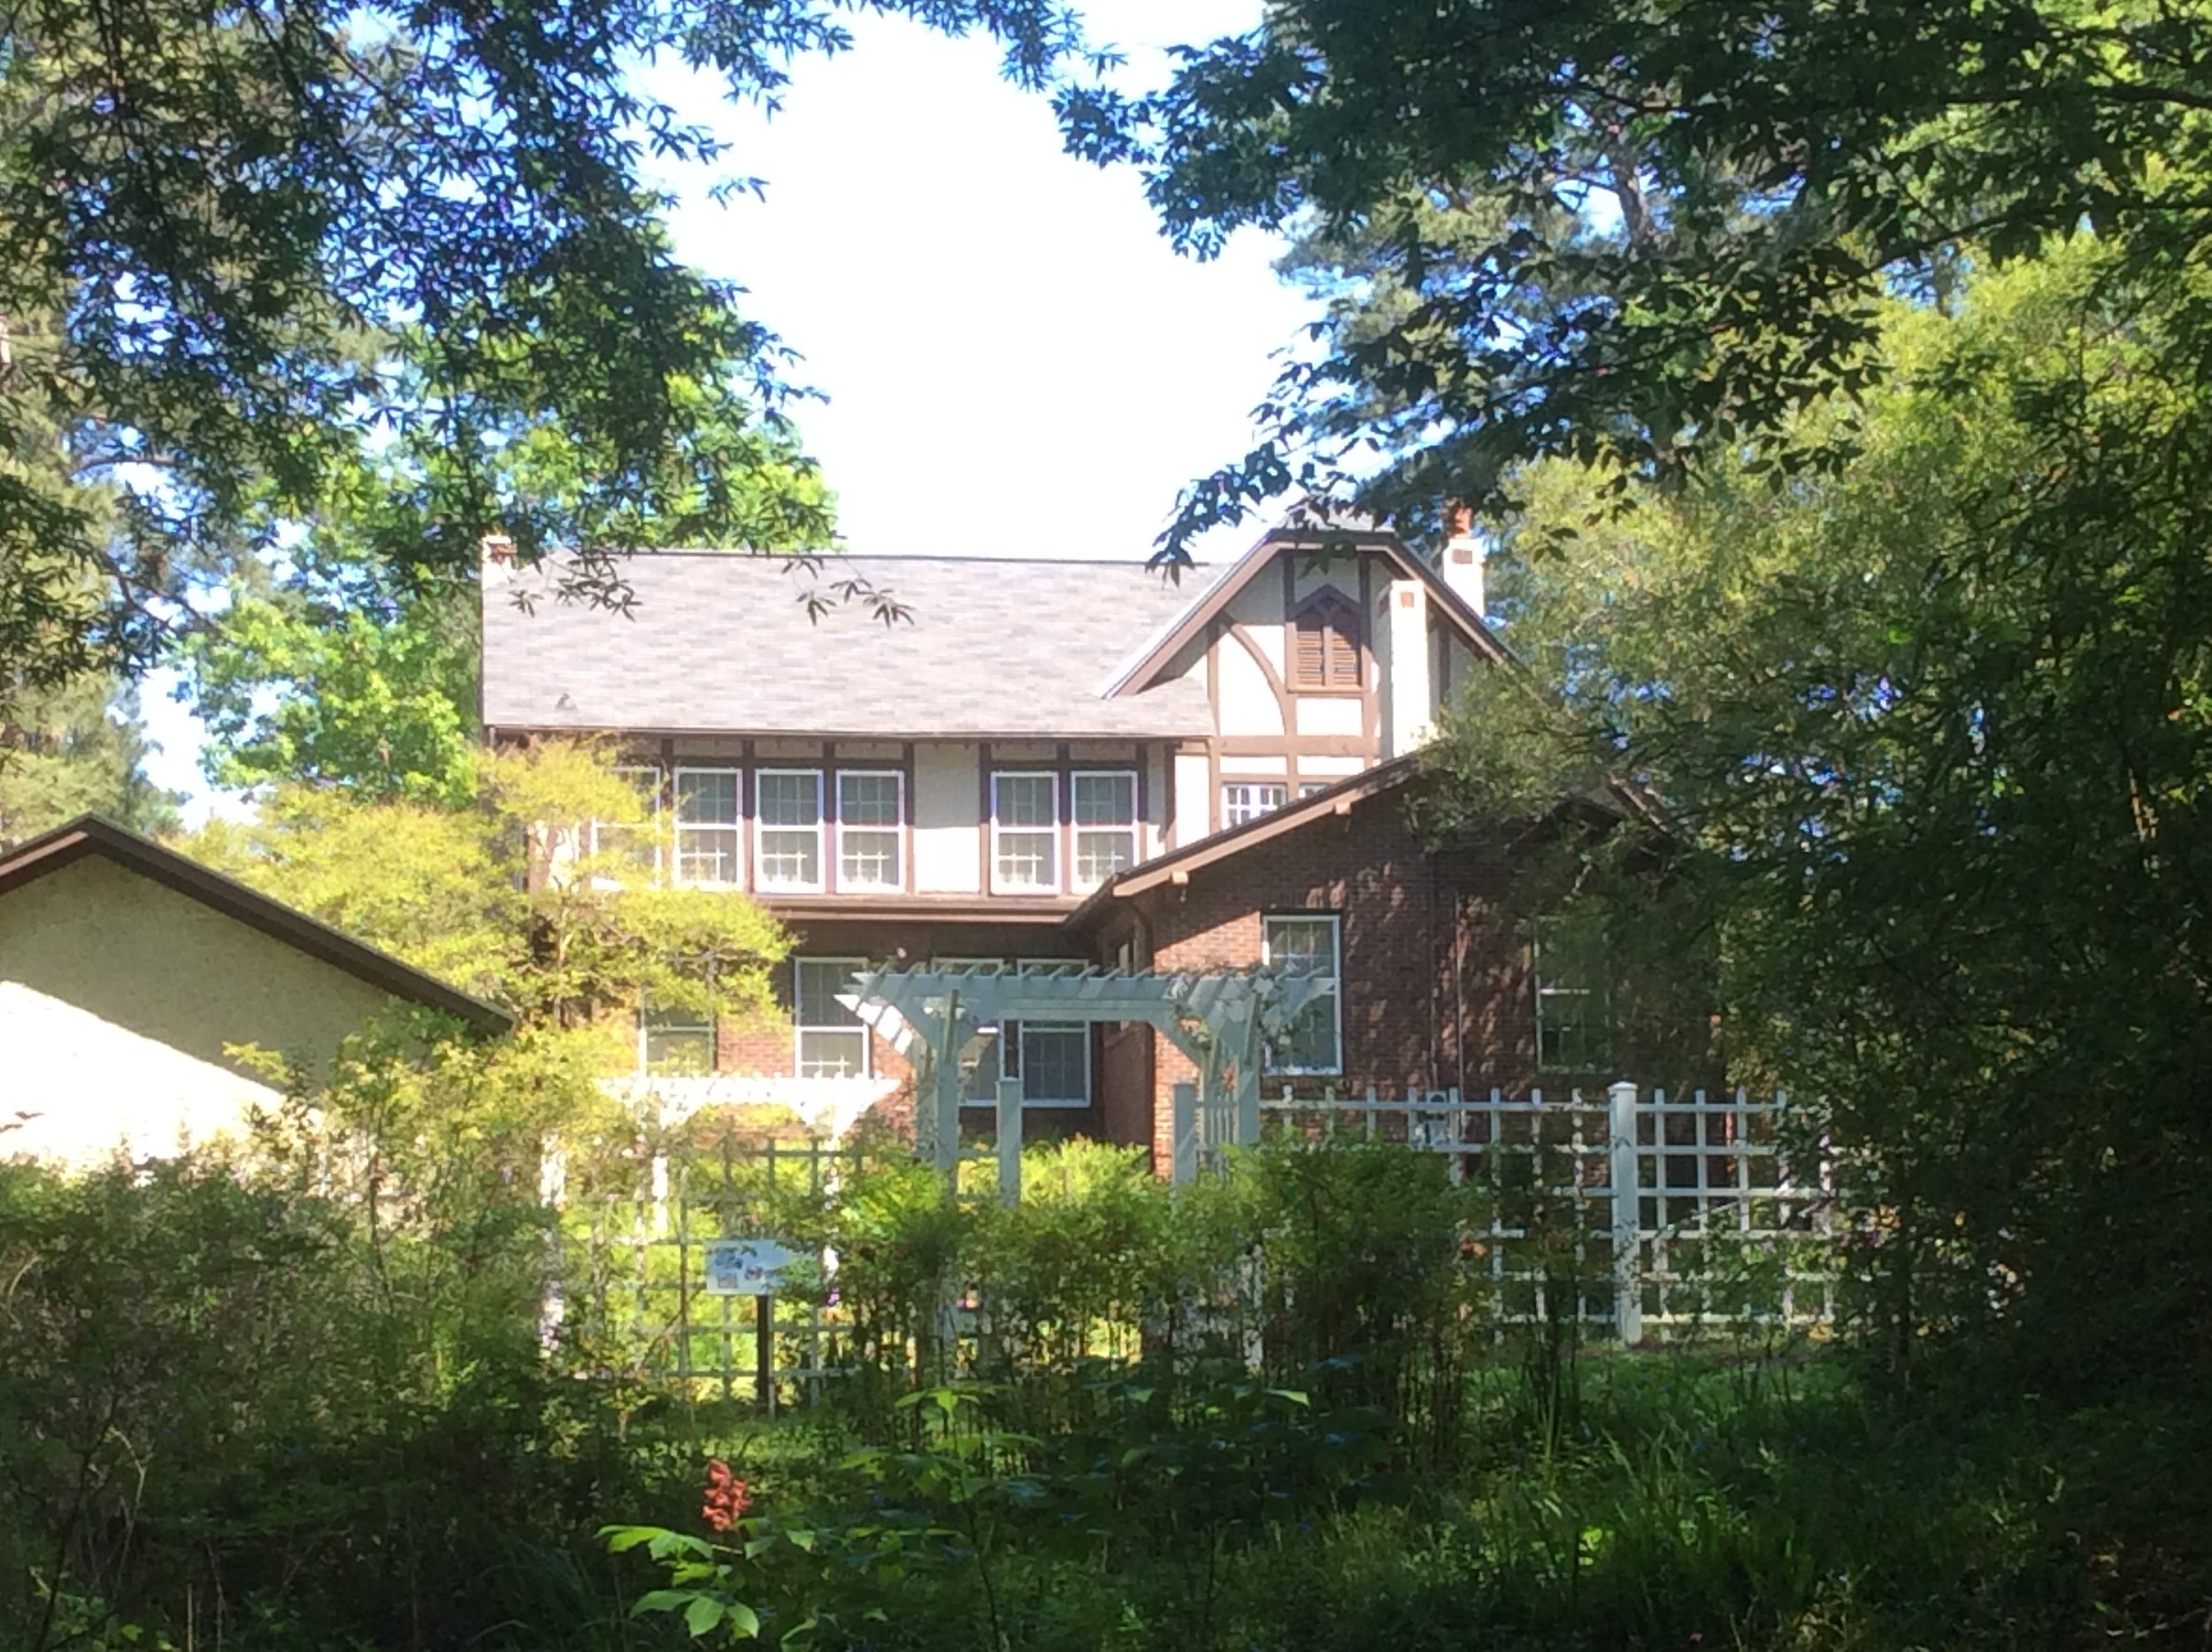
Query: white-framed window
{"points": [[1249, 800], [1307, 788], [1024, 831], [871, 829], [709, 839], [833, 1041], [1052, 1058], [633, 848], [1574, 1009], [787, 844], [1104, 804], [673, 1041], [1306, 944]]}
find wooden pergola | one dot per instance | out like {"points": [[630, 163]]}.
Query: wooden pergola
{"points": [[1216, 1018]]}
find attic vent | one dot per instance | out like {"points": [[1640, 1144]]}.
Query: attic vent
{"points": [[1325, 644]]}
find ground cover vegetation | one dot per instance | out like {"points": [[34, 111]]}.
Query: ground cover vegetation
{"points": [[304, 1393]]}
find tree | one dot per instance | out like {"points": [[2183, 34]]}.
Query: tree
{"points": [[1636, 233], [1932, 734], [513, 897], [252, 243], [343, 669], [77, 749]]}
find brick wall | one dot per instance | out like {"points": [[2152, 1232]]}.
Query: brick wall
{"points": [[1436, 989], [768, 1047]]}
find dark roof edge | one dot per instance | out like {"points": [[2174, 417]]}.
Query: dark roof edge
{"points": [[1337, 798], [90, 834]]}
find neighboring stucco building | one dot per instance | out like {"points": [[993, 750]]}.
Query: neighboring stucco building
{"points": [[1058, 764], [127, 970]]}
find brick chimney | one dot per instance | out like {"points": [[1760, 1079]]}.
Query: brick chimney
{"points": [[1460, 562]]}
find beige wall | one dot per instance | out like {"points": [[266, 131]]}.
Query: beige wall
{"points": [[948, 800], [117, 995]]}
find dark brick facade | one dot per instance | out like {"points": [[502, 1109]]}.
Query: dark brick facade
{"points": [[1436, 986]]}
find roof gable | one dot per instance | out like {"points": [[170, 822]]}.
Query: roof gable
{"points": [[91, 836], [1301, 535]]}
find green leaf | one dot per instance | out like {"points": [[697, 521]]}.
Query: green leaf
{"points": [[663, 1601], [703, 1614]]}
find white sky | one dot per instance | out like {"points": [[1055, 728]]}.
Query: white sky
{"points": [[1016, 363]]}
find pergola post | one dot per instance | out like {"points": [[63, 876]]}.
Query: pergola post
{"points": [[1010, 1141], [1183, 1156]]}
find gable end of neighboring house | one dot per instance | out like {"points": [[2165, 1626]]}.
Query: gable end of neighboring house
{"points": [[127, 975]]}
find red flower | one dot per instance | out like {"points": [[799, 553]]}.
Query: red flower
{"points": [[725, 1498]]}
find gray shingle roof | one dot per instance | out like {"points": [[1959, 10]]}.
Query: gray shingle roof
{"points": [[722, 641]]}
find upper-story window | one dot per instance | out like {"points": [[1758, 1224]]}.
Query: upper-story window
{"points": [[1025, 832], [1249, 800], [1325, 644], [708, 840], [871, 829], [788, 852], [633, 848], [1105, 808]]}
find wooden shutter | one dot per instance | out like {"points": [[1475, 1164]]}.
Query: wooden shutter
{"points": [[1309, 651], [1324, 645]]}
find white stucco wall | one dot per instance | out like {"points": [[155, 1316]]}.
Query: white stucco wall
{"points": [[947, 852]]}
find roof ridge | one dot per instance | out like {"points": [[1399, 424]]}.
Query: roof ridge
{"points": [[740, 553]]}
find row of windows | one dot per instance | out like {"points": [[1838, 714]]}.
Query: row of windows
{"points": [[1573, 1016], [805, 821], [1052, 1059]]}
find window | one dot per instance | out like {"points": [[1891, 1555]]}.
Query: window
{"points": [[633, 848], [1105, 808], [1055, 1065], [1246, 801], [789, 856], [1574, 1020], [708, 844], [1307, 788], [1052, 1059], [674, 1040], [871, 822], [1024, 831], [1306, 947], [833, 1040], [1325, 644]]}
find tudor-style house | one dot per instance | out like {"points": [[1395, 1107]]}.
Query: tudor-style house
{"points": [[1054, 763]]}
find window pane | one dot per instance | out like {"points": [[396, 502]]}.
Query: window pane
{"points": [[706, 796], [819, 981], [1248, 802], [790, 797], [1306, 948], [831, 1054], [1026, 800], [1573, 1006], [870, 847], [675, 1040], [1027, 860], [1056, 1063], [1099, 855], [868, 800], [1105, 799], [791, 858], [868, 860]]}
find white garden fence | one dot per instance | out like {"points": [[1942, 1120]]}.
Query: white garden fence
{"points": [[1656, 1215]]}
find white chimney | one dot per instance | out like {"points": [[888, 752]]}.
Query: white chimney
{"points": [[1461, 560], [1407, 707]]}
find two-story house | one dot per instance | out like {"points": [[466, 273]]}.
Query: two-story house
{"points": [[1055, 764]]}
